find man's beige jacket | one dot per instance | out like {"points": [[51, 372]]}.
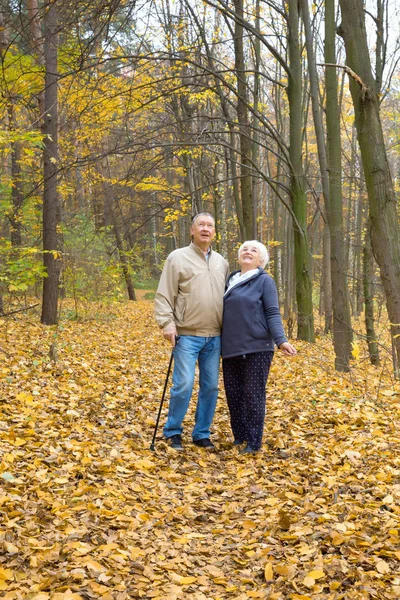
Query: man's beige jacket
{"points": [[190, 292]]}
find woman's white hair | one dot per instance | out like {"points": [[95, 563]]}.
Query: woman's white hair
{"points": [[262, 251]]}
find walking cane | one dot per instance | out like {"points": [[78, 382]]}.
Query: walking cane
{"points": [[162, 398]]}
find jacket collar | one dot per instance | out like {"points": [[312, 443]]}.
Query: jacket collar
{"points": [[199, 251], [239, 284]]}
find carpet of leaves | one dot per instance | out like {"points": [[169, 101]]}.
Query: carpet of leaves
{"points": [[88, 511]]}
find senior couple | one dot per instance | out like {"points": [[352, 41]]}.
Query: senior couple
{"points": [[195, 299]]}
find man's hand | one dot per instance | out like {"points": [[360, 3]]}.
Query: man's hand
{"points": [[169, 333], [288, 349]]}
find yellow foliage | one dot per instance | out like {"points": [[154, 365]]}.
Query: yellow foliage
{"points": [[355, 350]]}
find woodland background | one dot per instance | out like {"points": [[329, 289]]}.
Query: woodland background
{"points": [[119, 121]]}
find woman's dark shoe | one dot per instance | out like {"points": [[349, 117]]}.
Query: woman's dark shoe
{"points": [[248, 450], [238, 442]]}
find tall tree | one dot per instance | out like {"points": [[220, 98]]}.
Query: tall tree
{"points": [[384, 223], [305, 325], [246, 185], [342, 330], [51, 207]]}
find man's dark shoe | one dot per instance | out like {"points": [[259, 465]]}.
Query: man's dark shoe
{"points": [[204, 443], [175, 442]]}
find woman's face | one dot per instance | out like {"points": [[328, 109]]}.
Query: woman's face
{"points": [[249, 258]]}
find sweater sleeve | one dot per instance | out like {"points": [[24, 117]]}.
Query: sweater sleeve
{"points": [[166, 294], [272, 314]]}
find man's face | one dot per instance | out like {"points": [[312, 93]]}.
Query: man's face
{"points": [[203, 231]]}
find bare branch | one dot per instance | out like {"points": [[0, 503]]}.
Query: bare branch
{"points": [[364, 89]]}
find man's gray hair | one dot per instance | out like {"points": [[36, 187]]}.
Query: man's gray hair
{"points": [[262, 251], [202, 214]]}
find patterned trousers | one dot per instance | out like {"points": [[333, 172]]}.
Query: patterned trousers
{"points": [[245, 379]]}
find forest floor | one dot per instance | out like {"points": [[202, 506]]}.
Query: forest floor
{"points": [[88, 511]]}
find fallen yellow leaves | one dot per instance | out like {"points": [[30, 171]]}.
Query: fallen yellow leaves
{"points": [[5, 574], [311, 578], [10, 548], [88, 512], [269, 572], [67, 595], [181, 579], [382, 567]]}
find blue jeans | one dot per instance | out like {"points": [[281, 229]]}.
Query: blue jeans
{"points": [[189, 350]]}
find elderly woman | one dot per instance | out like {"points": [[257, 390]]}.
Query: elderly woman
{"points": [[251, 324]]}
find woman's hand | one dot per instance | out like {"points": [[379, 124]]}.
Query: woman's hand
{"points": [[288, 349]]}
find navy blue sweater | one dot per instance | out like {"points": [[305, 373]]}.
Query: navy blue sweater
{"points": [[251, 320]]}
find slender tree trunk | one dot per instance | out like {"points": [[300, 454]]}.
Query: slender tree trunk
{"points": [[256, 184], [123, 259], [232, 162], [331, 183], [289, 276], [327, 278], [357, 252], [279, 215], [15, 151], [384, 224], [36, 45], [368, 261], [220, 208], [244, 125], [327, 284], [51, 210], [278, 237], [316, 111], [342, 330], [3, 46], [16, 185], [380, 48], [112, 218], [305, 318]]}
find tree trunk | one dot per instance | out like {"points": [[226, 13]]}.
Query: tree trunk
{"points": [[342, 331], [15, 150], [289, 278], [244, 125], [256, 183], [112, 217], [305, 318], [368, 262], [51, 210], [331, 182], [279, 234], [36, 45], [327, 278], [384, 224], [16, 183], [123, 260], [357, 251]]}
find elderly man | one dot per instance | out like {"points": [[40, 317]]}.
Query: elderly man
{"points": [[188, 304]]}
